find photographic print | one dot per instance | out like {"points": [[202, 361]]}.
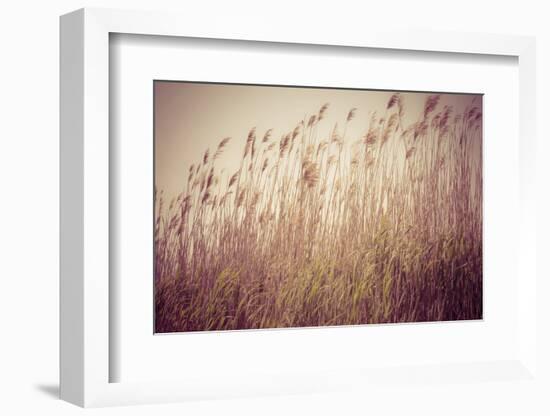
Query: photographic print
{"points": [[292, 207]]}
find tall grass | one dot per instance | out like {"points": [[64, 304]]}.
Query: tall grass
{"points": [[337, 230]]}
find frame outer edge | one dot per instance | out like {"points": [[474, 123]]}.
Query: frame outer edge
{"points": [[527, 295], [71, 220], [95, 194]]}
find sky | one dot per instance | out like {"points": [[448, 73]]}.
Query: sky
{"points": [[191, 117]]}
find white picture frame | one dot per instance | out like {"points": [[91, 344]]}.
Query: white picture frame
{"points": [[85, 165]]}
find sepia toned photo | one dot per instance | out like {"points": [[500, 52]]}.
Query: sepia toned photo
{"points": [[292, 207]]}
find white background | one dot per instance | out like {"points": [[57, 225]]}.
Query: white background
{"points": [[29, 209]]}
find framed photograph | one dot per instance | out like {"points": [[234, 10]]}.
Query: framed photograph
{"points": [[278, 212], [306, 222]]}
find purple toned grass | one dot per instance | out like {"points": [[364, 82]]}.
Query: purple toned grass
{"points": [[337, 230]]}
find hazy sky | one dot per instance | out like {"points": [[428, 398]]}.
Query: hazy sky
{"points": [[191, 117]]}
